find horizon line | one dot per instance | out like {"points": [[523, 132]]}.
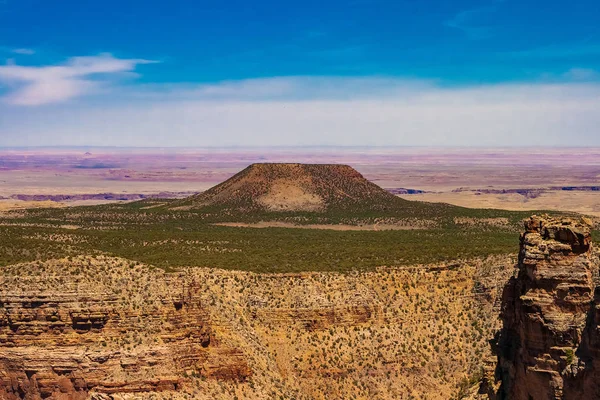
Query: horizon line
{"points": [[302, 147]]}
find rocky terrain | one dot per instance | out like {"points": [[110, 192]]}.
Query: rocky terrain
{"points": [[109, 328], [548, 347], [188, 299], [63, 334]]}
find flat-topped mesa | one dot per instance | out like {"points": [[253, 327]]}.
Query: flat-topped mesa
{"points": [[545, 312], [294, 187]]}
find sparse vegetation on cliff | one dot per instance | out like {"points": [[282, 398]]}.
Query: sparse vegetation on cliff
{"points": [[388, 333]]}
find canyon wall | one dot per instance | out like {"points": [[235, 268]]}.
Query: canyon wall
{"points": [[548, 347], [62, 337], [105, 328]]}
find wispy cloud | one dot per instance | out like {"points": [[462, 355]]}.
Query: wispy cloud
{"points": [[23, 51], [582, 74], [469, 21], [12, 50], [30, 86], [559, 51], [294, 88]]}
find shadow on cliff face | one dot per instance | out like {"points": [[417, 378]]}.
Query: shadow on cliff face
{"points": [[586, 382], [506, 344]]}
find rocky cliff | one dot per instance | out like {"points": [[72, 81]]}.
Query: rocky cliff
{"points": [[63, 335], [548, 347], [105, 328]]}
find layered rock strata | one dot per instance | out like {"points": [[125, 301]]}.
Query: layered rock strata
{"points": [[63, 341], [106, 328], [548, 346]]}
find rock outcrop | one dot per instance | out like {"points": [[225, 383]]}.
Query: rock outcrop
{"points": [[548, 347], [64, 338]]}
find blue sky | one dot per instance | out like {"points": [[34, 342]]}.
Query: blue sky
{"points": [[350, 72]]}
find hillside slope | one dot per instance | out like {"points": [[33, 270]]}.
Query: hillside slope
{"points": [[295, 187]]}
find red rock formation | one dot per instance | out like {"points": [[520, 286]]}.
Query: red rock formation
{"points": [[547, 312], [64, 344]]}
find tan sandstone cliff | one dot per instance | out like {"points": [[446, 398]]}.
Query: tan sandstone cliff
{"points": [[63, 337], [548, 347], [105, 328]]}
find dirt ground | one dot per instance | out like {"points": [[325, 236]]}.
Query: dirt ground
{"points": [[338, 227], [581, 202]]}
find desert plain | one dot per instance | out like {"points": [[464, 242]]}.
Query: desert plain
{"points": [[565, 179]]}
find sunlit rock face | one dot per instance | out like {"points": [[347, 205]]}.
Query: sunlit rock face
{"points": [[548, 347], [64, 336]]}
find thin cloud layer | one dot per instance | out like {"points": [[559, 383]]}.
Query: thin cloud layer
{"points": [[582, 74], [469, 21], [337, 111], [23, 51], [285, 88], [38, 85]]}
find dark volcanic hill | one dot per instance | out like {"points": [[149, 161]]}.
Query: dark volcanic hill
{"points": [[295, 187]]}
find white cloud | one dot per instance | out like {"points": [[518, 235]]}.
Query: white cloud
{"points": [[29, 86], [27, 52], [472, 21], [320, 111]]}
